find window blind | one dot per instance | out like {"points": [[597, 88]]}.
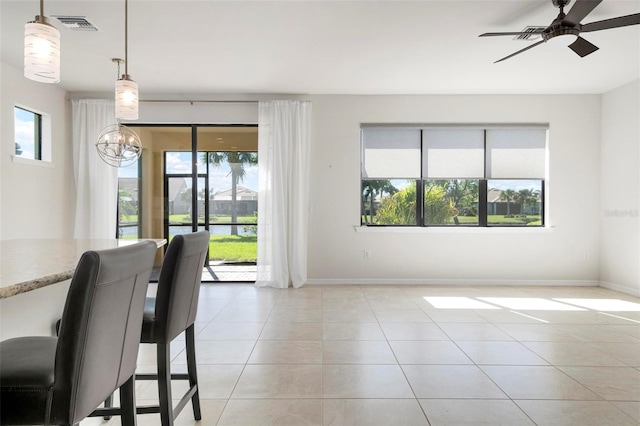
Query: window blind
{"points": [[390, 153], [516, 153], [453, 154]]}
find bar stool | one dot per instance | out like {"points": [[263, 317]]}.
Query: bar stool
{"points": [[166, 316], [60, 381]]}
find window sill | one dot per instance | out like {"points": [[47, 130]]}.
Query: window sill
{"points": [[31, 162], [452, 230]]}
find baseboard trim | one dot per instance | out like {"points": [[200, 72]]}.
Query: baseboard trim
{"points": [[452, 282], [621, 288]]}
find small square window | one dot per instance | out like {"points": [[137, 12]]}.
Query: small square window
{"points": [[28, 134]]}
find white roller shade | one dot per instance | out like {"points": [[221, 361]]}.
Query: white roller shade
{"points": [[390, 153], [453, 153], [516, 153]]}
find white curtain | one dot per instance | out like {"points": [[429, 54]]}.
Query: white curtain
{"points": [[284, 133], [96, 181]]}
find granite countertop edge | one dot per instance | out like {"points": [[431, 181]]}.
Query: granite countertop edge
{"points": [[40, 282]]}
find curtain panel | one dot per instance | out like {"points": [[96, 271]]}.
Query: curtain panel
{"points": [[284, 134], [96, 182]]}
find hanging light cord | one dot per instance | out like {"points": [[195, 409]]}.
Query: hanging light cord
{"points": [[126, 39], [41, 17]]}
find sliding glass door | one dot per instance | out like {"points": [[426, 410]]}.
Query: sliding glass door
{"points": [[196, 177]]}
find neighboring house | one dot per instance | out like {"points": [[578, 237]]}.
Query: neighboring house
{"points": [[242, 193], [246, 201], [177, 203], [219, 203], [497, 206]]}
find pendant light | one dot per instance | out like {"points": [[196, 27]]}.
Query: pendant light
{"points": [[126, 89], [41, 50], [118, 145]]}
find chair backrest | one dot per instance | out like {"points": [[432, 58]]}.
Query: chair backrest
{"points": [[100, 329], [179, 285]]}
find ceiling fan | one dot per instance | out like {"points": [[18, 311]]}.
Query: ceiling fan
{"points": [[567, 27]]}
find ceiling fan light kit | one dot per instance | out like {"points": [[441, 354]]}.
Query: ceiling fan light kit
{"points": [[566, 28]]}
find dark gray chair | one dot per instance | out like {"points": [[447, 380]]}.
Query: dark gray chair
{"points": [[166, 316], [60, 381]]}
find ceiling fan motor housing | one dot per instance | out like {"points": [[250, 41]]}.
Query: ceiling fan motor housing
{"points": [[560, 3], [559, 30]]}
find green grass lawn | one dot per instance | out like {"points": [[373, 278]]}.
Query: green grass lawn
{"points": [[498, 219], [233, 248], [501, 220]]}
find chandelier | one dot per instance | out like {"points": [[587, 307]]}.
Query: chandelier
{"points": [[118, 145]]}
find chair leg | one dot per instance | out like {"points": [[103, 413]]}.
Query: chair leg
{"points": [[191, 369], [164, 384], [108, 403], [128, 402]]}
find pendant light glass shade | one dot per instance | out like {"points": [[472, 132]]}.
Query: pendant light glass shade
{"points": [[126, 99], [41, 51], [119, 146]]}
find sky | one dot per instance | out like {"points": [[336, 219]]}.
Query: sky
{"points": [[24, 132]]}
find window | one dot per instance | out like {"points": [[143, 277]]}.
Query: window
{"points": [[453, 176], [28, 134], [129, 219]]}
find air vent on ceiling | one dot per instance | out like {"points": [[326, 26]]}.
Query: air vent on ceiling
{"points": [[76, 23], [532, 34]]}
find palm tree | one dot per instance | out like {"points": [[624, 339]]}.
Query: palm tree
{"points": [[372, 189], [508, 195], [534, 201], [524, 197], [237, 161]]}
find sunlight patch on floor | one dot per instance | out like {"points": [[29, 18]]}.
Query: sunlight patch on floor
{"points": [[618, 316], [609, 305], [458, 303], [530, 304]]}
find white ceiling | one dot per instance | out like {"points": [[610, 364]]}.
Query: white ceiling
{"points": [[327, 47]]}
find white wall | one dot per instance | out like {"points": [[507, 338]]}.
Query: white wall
{"points": [[37, 201], [33, 313], [620, 189], [566, 253]]}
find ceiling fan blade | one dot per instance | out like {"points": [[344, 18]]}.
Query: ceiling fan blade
{"points": [[517, 33], [519, 51], [620, 21], [579, 11], [582, 47]]}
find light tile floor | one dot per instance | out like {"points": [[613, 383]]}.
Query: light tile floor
{"points": [[410, 355]]}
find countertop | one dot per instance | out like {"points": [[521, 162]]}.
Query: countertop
{"points": [[29, 264]]}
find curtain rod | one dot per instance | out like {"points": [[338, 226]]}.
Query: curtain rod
{"points": [[197, 101]]}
